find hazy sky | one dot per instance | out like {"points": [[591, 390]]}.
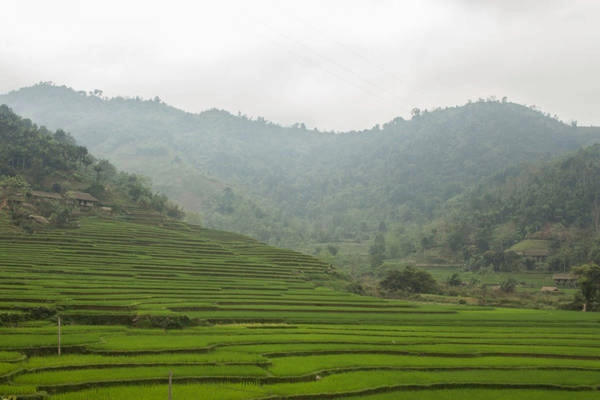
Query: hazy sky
{"points": [[332, 64]]}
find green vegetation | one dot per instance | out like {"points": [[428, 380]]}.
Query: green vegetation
{"points": [[589, 281], [531, 244], [409, 280], [139, 295], [302, 189], [537, 217], [42, 175], [231, 317], [474, 187]]}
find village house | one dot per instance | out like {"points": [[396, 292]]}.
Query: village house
{"points": [[539, 255], [565, 280], [82, 199], [37, 194]]}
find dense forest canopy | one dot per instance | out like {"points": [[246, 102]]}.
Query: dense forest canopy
{"points": [[302, 188], [556, 201], [26, 148]]}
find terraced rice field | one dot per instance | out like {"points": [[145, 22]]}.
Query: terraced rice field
{"points": [[231, 318]]}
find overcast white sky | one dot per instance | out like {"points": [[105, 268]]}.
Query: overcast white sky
{"points": [[332, 64]]}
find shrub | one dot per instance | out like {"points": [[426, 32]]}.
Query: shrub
{"points": [[410, 280], [509, 285], [333, 250]]}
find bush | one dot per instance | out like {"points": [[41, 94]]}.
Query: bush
{"points": [[37, 313], [411, 280], [454, 280], [162, 321], [356, 288], [509, 285], [333, 250], [63, 217]]}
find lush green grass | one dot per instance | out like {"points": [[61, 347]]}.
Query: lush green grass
{"points": [[159, 392], [6, 368], [10, 356], [355, 382], [120, 374], [306, 364], [481, 394], [16, 389], [73, 361], [232, 318]]}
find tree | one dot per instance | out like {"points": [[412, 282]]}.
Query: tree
{"points": [[104, 166], [377, 251], [14, 184], [63, 217], [226, 206], [411, 280], [596, 215], [137, 187], [509, 285], [589, 283], [454, 280]]}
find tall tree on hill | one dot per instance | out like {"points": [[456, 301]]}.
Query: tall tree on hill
{"points": [[377, 251], [589, 283]]}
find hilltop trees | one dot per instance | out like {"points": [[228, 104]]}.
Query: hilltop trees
{"points": [[28, 149], [33, 157]]}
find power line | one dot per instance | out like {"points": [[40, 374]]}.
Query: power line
{"points": [[311, 60]]}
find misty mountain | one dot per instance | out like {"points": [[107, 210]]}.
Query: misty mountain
{"points": [[292, 186]]}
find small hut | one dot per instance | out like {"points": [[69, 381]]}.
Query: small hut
{"points": [[565, 280], [82, 199], [38, 194], [539, 255]]}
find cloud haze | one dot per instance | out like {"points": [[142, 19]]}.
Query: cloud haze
{"points": [[339, 65]]}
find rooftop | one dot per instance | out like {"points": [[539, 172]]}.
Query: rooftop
{"points": [[81, 196]]}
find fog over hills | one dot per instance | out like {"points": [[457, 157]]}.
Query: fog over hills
{"points": [[295, 187]]}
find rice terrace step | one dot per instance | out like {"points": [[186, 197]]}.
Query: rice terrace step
{"points": [[232, 318]]}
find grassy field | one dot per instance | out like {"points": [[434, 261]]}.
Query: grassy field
{"points": [[231, 318]]}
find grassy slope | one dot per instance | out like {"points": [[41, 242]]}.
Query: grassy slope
{"points": [[264, 325]]}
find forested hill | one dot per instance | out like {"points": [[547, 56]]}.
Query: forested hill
{"points": [[292, 186], [556, 203], [42, 173]]}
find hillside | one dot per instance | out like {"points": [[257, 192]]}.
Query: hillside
{"points": [[139, 272], [228, 317], [122, 302], [299, 188], [554, 203], [45, 177]]}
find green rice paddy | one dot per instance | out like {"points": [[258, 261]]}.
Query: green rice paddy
{"points": [[232, 318]]}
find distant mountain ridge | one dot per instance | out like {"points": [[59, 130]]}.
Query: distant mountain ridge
{"points": [[295, 187]]}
